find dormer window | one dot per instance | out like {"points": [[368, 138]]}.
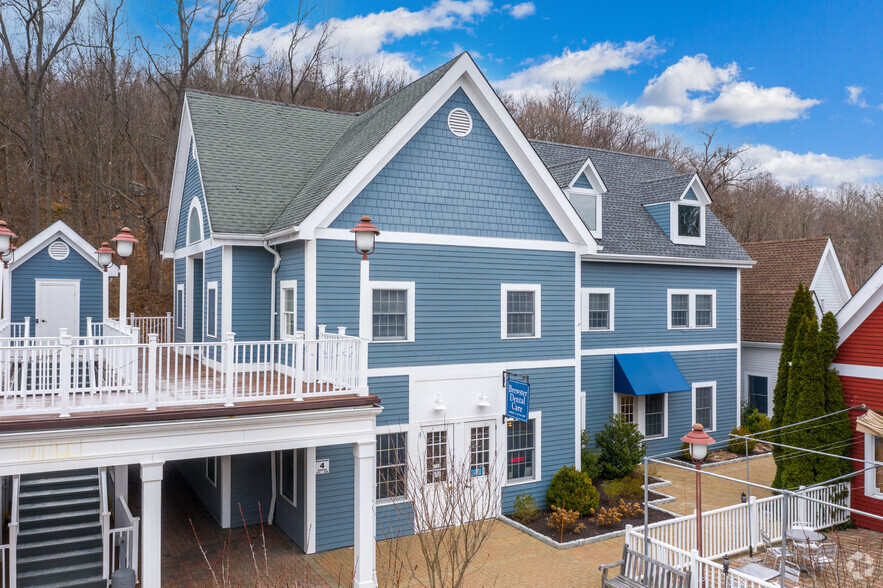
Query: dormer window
{"points": [[688, 220], [687, 215], [194, 223], [584, 193]]}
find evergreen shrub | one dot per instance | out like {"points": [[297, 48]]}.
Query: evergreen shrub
{"points": [[524, 509], [622, 448], [573, 490], [737, 445]]}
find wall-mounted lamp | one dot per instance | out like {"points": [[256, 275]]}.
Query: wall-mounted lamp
{"points": [[483, 402], [439, 405]]}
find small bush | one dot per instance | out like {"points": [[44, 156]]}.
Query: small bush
{"points": [[573, 489], [563, 520], [612, 489], [622, 448], [685, 451], [631, 487], [525, 509], [590, 458], [738, 445], [615, 514], [755, 421]]}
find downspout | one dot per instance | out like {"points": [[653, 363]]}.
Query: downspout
{"points": [[273, 290], [272, 512]]}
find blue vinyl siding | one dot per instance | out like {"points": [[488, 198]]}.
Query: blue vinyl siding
{"points": [[198, 296], [250, 488], [193, 470], [661, 213], [457, 299], [583, 182], [641, 304], [393, 394], [552, 393], [252, 267], [180, 278], [42, 266], [335, 498], [291, 267], [696, 366], [214, 261], [291, 518], [691, 195], [394, 520], [441, 183], [192, 189]]}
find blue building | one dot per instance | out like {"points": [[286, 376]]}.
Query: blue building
{"points": [[578, 269]]}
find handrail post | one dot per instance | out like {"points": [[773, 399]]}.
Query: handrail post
{"points": [[363, 366], [152, 369], [105, 522], [13, 533], [753, 529], [696, 569], [64, 372], [299, 359], [167, 328], [28, 327], [229, 363]]}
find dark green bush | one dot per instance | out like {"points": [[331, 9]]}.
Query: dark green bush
{"points": [[573, 490], [754, 420], [525, 509], [737, 445], [622, 448], [590, 458]]}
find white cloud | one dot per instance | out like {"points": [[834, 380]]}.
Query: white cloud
{"points": [[694, 91], [522, 10], [363, 37], [854, 96], [819, 169], [578, 66]]}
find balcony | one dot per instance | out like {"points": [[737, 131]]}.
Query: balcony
{"points": [[117, 368]]}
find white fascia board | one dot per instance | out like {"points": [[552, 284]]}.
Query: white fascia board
{"points": [[179, 174], [829, 257], [59, 230], [860, 306], [703, 195], [588, 168], [244, 239], [283, 236], [662, 260], [466, 75], [762, 345], [451, 240]]}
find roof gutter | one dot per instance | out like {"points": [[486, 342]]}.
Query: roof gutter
{"points": [[620, 258], [273, 289]]}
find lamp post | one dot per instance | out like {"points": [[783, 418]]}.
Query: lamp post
{"points": [[105, 258], [125, 243], [698, 440], [6, 253], [365, 234]]}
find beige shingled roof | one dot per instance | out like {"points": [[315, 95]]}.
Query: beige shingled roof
{"points": [[768, 287]]}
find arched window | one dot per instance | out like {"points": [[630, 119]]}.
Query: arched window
{"points": [[194, 223]]}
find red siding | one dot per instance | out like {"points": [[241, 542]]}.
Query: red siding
{"points": [[865, 345], [869, 392]]}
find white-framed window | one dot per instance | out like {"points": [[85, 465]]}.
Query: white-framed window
{"points": [[687, 222], [649, 413], [587, 204], [436, 456], [392, 465], [392, 318], [523, 453], [194, 223], [705, 405], [211, 309], [758, 390], [179, 306], [211, 470], [288, 475], [598, 307], [520, 306], [692, 309], [288, 308], [873, 477]]}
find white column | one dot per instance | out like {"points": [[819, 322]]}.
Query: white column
{"points": [[7, 293], [151, 524], [124, 279], [105, 297], [364, 325], [120, 487], [364, 554]]}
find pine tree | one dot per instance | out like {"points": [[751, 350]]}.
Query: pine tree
{"points": [[838, 432]]}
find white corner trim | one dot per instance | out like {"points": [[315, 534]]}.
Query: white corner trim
{"points": [[585, 309], [409, 287], [310, 289], [310, 490], [226, 289], [738, 348], [537, 309], [869, 372], [713, 385], [225, 465]]}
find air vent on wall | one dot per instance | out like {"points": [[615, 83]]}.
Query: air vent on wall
{"points": [[59, 250], [460, 122]]}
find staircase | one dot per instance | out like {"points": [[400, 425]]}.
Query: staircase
{"points": [[59, 537]]}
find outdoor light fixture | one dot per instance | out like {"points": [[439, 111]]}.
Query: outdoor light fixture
{"points": [[8, 256], [105, 255], [439, 404], [6, 237], [125, 242], [483, 402], [365, 235], [698, 441]]}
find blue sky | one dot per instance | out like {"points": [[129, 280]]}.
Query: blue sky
{"points": [[801, 82]]}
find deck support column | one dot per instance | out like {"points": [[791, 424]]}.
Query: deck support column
{"points": [[151, 524], [120, 487], [365, 574]]}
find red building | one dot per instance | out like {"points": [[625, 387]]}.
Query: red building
{"points": [[860, 364]]}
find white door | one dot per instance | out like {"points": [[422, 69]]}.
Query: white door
{"points": [[57, 306], [483, 476]]}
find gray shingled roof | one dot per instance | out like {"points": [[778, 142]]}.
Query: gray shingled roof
{"points": [[632, 181], [252, 157]]}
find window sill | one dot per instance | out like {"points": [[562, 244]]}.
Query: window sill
{"points": [[521, 482], [519, 337], [598, 331], [390, 501], [385, 342]]}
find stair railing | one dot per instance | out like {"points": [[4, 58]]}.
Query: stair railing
{"points": [[13, 532], [124, 539], [105, 522]]}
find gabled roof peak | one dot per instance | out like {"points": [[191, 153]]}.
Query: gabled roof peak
{"points": [[598, 149]]}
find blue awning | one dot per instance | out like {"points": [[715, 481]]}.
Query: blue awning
{"points": [[640, 374]]}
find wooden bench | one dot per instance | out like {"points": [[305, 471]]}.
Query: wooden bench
{"points": [[639, 571]]}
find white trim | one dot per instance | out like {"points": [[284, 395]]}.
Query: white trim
{"points": [[869, 372], [468, 370], [188, 300], [226, 490], [59, 230], [691, 311], [829, 256], [292, 500], [762, 344], [656, 348], [310, 280], [674, 225], [592, 175], [198, 247], [452, 240], [585, 309], [226, 289], [537, 309], [197, 206], [213, 285], [310, 492], [860, 306], [713, 385], [739, 348], [283, 286], [597, 232], [214, 460], [580, 396], [663, 260], [702, 194], [410, 321], [180, 307], [870, 475], [537, 417]]}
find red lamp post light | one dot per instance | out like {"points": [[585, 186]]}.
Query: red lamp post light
{"points": [[698, 441]]}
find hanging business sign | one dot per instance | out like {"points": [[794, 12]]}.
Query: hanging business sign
{"points": [[517, 399]]}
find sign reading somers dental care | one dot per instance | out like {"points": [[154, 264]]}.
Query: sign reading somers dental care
{"points": [[517, 399]]}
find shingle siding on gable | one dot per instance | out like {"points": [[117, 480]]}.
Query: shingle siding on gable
{"points": [[440, 183], [691, 195], [42, 266], [192, 189], [457, 298], [661, 213], [582, 182]]}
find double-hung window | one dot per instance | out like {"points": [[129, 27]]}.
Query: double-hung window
{"points": [[288, 307], [654, 416], [288, 475], [392, 465], [392, 311], [522, 450], [211, 309], [179, 306], [649, 413], [692, 309], [704, 404], [520, 311], [758, 393], [597, 312]]}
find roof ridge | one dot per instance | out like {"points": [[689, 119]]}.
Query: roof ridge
{"points": [[784, 240], [599, 149], [691, 174], [273, 102]]}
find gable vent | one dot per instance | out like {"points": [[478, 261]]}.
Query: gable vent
{"points": [[460, 122], [59, 250]]}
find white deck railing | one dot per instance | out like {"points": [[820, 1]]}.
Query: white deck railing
{"points": [[121, 542], [161, 325], [110, 371]]}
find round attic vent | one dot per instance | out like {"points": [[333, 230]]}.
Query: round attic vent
{"points": [[59, 250], [460, 122]]}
